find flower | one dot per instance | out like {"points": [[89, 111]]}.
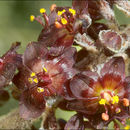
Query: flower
{"points": [[101, 97], [42, 76], [61, 25], [9, 62]]}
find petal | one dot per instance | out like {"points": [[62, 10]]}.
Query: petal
{"points": [[83, 83], [80, 6], [33, 55], [8, 65], [31, 104], [75, 122], [127, 87], [78, 85], [81, 106], [115, 66]]}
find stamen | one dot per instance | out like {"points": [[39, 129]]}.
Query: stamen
{"points": [[40, 90], [58, 25], [53, 6], [42, 10], [61, 12], [72, 11], [35, 80], [30, 80], [44, 69], [118, 110], [115, 99], [63, 21], [32, 74], [126, 102], [102, 101], [105, 116], [32, 18]]}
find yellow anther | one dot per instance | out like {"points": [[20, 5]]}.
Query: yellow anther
{"points": [[44, 69], [63, 21], [102, 101], [127, 127], [72, 11], [32, 74], [118, 110], [35, 80], [32, 17], [30, 80], [115, 99], [42, 10], [40, 90], [61, 12]]}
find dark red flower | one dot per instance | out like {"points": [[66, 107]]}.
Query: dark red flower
{"points": [[104, 97], [61, 25], [42, 75], [8, 64]]}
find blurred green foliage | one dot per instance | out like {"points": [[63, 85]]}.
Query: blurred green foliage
{"points": [[15, 25]]}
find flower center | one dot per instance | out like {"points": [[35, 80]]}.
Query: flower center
{"points": [[110, 102], [41, 79], [108, 98]]}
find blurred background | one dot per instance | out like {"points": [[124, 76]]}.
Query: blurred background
{"points": [[15, 26]]}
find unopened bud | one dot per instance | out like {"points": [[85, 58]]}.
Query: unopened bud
{"points": [[105, 116], [126, 102], [53, 6], [58, 25]]}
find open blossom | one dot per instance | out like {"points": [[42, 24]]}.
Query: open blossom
{"points": [[42, 75], [102, 97], [61, 25], [8, 65]]}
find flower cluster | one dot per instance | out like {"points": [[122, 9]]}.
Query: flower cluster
{"points": [[93, 81]]}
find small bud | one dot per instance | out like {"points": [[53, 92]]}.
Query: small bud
{"points": [[126, 102], [105, 116], [53, 6], [58, 25]]}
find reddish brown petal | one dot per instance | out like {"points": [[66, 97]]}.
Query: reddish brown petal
{"points": [[75, 122], [115, 66], [83, 83], [78, 84], [80, 6], [31, 104], [8, 64], [127, 87], [33, 54]]}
